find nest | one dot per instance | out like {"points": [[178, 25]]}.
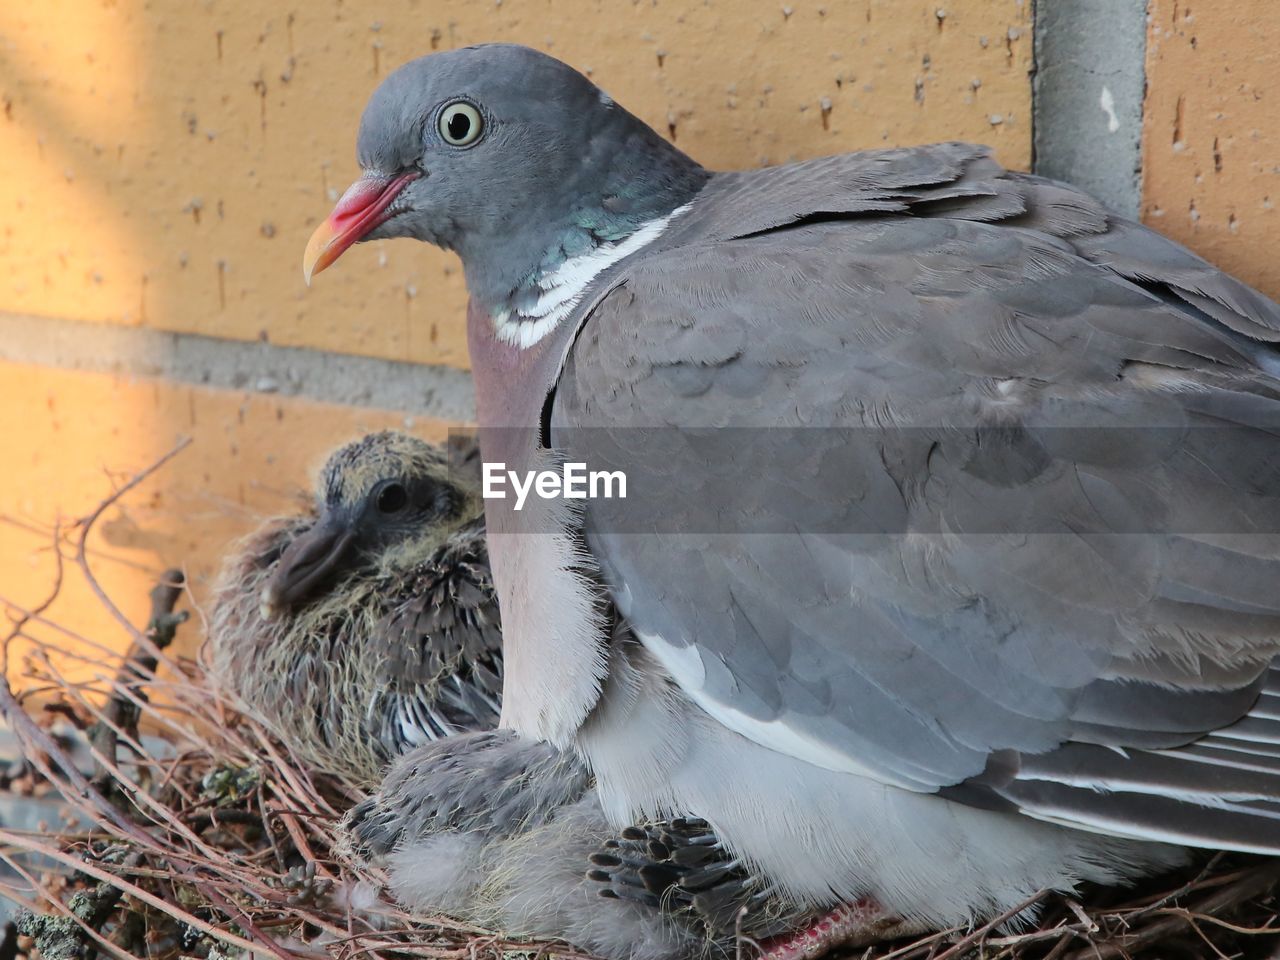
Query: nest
{"points": [[190, 830], [202, 836]]}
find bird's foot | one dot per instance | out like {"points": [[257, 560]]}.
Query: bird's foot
{"points": [[851, 924], [679, 867]]}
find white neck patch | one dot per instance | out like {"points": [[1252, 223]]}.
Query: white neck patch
{"points": [[562, 289]]}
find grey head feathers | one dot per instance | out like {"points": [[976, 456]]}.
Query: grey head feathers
{"points": [[556, 171], [352, 471], [385, 500]]}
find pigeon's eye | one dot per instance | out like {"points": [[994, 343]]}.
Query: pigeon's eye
{"points": [[460, 124], [392, 498]]}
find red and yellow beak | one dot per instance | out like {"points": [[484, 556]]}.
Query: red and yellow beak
{"points": [[360, 209]]}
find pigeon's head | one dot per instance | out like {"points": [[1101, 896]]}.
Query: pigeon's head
{"points": [[383, 502], [507, 156]]}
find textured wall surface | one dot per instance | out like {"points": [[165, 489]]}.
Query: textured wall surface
{"points": [[1211, 153], [163, 163], [76, 437]]}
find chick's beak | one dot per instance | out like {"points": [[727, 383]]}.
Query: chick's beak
{"points": [[363, 207], [305, 566]]}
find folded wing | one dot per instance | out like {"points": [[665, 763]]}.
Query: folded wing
{"points": [[987, 500]]}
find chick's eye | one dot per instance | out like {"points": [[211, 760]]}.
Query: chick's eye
{"points": [[460, 124], [392, 498]]}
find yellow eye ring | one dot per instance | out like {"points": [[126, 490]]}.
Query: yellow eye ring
{"points": [[460, 124]]}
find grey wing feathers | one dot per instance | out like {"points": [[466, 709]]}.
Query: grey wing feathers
{"points": [[1223, 789], [491, 783], [496, 830], [1015, 488], [441, 646]]}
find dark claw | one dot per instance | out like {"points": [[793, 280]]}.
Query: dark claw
{"points": [[658, 877]]}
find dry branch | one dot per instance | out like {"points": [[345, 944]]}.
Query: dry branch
{"points": [[123, 709]]}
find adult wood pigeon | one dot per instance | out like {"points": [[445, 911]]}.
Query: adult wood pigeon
{"points": [[951, 536]]}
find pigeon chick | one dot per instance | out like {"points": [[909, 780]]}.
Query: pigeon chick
{"points": [[368, 627], [369, 624], [499, 831]]}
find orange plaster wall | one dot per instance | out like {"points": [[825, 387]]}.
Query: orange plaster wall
{"points": [[163, 163], [1211, 145], [83, 436]]}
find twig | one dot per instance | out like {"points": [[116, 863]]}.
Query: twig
{"points": [[26, 616], [85, 929], [132, 889], [1251, 884], [9, 947], [1182, 891], [1193, 917], [86, 525], [963, 944], [121, 712], [84, 788]]}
